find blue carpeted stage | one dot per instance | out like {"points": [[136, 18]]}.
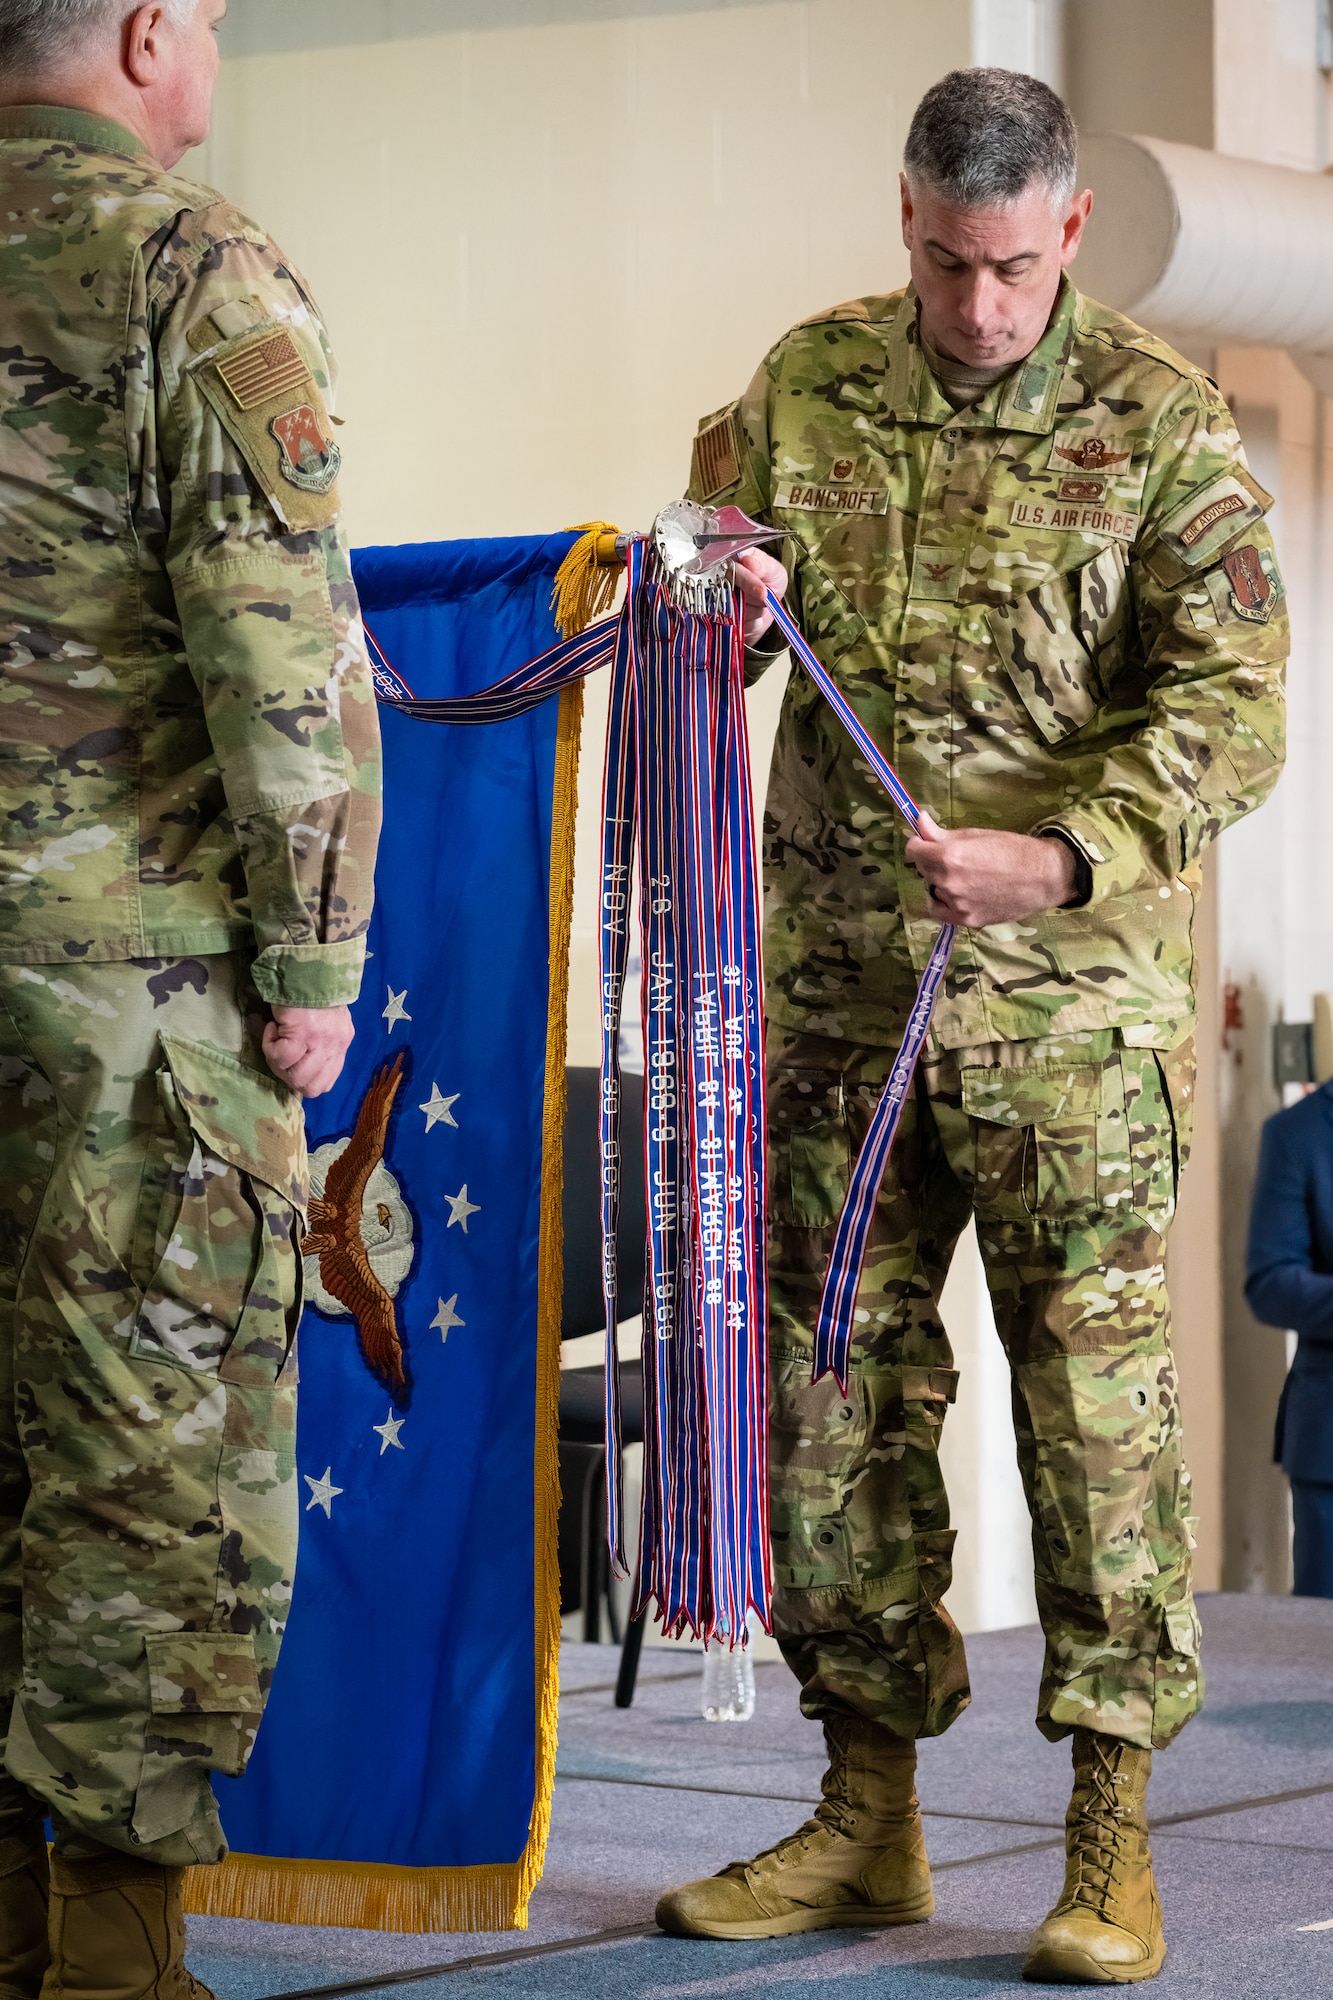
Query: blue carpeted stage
{"points": [[1243, 1836]]}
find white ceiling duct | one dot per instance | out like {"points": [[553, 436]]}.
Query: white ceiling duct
{"points": [[1208, 245]]}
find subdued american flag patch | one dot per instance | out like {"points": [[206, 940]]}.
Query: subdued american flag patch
{"points": [[717, 455], [267, 368]]}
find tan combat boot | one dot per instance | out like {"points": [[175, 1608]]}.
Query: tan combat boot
{"points": [[1106, 1929], [24, 1886], [117, 1932], [861, 1860]]}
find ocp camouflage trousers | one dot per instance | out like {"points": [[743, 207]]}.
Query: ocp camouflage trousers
{"points": [[151, 1177], [1069, 1154]]}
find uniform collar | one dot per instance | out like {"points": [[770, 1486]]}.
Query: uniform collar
{"points": [[1027, 400], [75, 128]]}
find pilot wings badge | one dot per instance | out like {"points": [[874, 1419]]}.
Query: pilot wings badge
{"points": [[360, 1247], [1091, 455]]}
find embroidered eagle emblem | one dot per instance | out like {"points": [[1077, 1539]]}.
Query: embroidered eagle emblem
{"points": [[937, 571], [360, 1200], [1091, 455]]}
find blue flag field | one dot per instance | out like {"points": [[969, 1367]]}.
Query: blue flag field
{"points": [[402, 1778]]}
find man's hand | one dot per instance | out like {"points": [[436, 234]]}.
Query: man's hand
{"points": [[978, 878], [305, 1047], [756, 573]]}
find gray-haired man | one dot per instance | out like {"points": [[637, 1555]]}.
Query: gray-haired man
{"points": [[1027, 544]]}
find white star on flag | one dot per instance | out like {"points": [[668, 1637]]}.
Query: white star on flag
{"points": [[323, 1492], [396, 1011], [389, 1430], [462, 1208], [440, 1110], [446, 1318]]}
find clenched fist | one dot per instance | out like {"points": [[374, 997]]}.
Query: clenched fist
{"points": [[305, 1047]]}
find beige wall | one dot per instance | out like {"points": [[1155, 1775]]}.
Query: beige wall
{"points": [[1141, 66], [545, 251]]}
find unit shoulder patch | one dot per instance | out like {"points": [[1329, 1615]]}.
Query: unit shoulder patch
{"points": [[1247, 585], [310, 460], [717, 456]]}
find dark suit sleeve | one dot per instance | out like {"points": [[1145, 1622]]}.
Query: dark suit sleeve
{"points": [[1281, 1284]]}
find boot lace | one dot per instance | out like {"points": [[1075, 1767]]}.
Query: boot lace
{"points": [[1100, 1838], [832, 1815]]}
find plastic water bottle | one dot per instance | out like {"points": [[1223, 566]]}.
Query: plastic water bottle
{"points": [[728, 1681]]}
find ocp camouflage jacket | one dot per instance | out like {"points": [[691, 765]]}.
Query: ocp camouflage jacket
{"points": [[189, 748], [1060, 608]]}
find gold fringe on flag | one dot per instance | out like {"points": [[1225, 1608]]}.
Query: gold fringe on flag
{"points": [[362, 1896], [588, 579], [354, 1895], [550, 1293]]}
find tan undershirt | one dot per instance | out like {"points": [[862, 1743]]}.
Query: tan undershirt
{"points": [[961, 385]]}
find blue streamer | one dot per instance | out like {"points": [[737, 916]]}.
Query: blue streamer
{"points": [[837, 1306]]}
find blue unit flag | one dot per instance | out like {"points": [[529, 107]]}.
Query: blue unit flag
{"points": [[402, 1777]]}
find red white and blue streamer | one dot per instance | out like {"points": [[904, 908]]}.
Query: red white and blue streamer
{"points": [[837, 1306], [678, 823], [678, 747]]}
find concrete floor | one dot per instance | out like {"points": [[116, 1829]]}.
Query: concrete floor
{"points": [[1242, 1809]]}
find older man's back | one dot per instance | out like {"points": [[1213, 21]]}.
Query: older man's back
{"points": [[189, 809]]}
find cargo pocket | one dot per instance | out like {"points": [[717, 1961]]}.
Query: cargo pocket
{"points": [[1063, 643], [1159, 1110], [813, 1425], [224, 1298], [817, 1439], [1036, 1138], [934, 1571], [927, 1394], [205, 1705], [811, 1147], [1097, 1422]]}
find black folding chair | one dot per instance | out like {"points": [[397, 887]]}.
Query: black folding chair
{"points": [[585, 1571]]}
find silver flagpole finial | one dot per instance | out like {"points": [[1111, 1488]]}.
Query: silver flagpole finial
{"points": [[697, 544]]}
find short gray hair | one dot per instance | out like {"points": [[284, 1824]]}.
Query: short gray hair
{"points": [[983, 137], [36, 35]]}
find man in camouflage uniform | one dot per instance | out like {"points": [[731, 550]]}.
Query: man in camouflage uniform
{"points": [[189, 810], [1027, 544]]}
